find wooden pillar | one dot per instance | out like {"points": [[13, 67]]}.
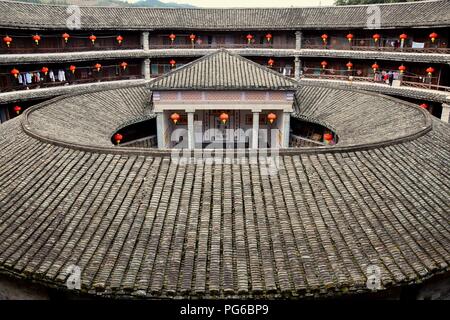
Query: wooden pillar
{"points": [[445, 115], [255, 130]]}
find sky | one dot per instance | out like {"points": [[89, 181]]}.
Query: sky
{"points": [[254, 3]]}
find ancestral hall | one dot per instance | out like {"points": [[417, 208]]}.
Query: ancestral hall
{"points": [[95, 202]]}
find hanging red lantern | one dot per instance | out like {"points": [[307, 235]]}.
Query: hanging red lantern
{"points": [[15, 72], [175, 117], [327, 137], [36, 39], [249, 38], [7, 40], [269, 37], [402, 69], [224, 117], [119, 39], [44, 70], [172, 63], [349, 37], [192, 37], [430, 71], [271, 62], [271, 117], [349, 65], [17, 109], [376, 37], [424, 106], [118, 138], [375, 67], [93, 38], [72, 68], [403, 37], [324, 64], [324, 38], [433, 36], [124, 65], [66, 37], [98, 66], [172, 37]]}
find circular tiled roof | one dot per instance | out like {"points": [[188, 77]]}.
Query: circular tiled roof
{"points": [[143, 224]]}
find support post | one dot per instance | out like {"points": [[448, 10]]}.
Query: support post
{"points": [[298, 40], [160, 129], [445, 115], [255, 130], [146, 69], [191, 131], [286, 129], [297, 68], [145, 41]]}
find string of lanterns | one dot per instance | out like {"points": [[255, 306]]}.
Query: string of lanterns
{"points": [[97, 67], [192, 37], [8, 40], [433, 36], [375, 67], [223, 117]]}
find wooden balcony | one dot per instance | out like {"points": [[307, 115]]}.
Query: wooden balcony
{"points": [[404, 83]]}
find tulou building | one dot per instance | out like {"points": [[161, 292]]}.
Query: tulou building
{"points": [[287, 153]]}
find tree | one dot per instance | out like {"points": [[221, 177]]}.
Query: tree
{"points": [[351, 2]]}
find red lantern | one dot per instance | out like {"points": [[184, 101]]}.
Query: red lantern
{"points": [[224, 117], [93, 38], [17, 109], [375, 67], [98, 66], [328, 137], [349, 65], [271, 117], [376, 37], [118, 138], [172, 63], [424, 106], [403, 37], [7, 40], [124, 65], [249, 38], [172, 37], [324, 64], [270, 62], [36, 39], [430, 71], [175, 117], [269, 37], [44, 70], [72, 68], [402, 69], [119, 39], [15, 72], [192, 37], [349, 37], [324, 38], [66, 37], [433, 36]]}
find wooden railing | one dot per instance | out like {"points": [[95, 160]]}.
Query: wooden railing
{"points": [[221, 45], [372, 80], [66, 49], [298, 142], [42, 85], [377, 48], [147, 142]]}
